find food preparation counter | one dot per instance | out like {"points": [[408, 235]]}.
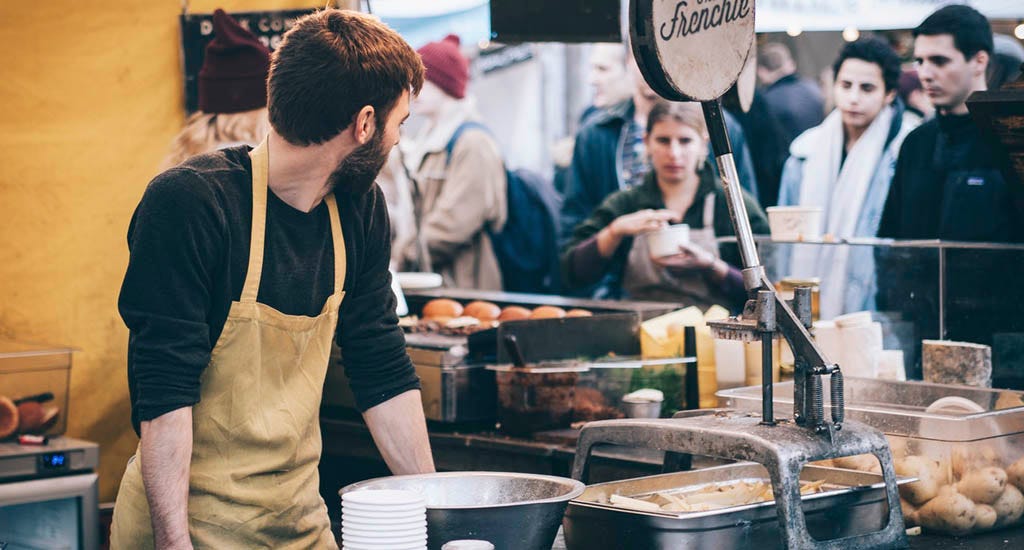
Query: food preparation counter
{"points": [[348, 438], [347, 441], [1006, 539], [349, 455]]}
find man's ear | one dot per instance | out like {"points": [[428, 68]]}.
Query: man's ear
{"points": [[890, 97], [982, 59], [365, 124]]}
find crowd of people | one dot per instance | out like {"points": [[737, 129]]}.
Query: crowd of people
{"points": [[897, 156]]}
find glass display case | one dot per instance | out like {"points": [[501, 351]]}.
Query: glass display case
{"points": [[917, 290]]}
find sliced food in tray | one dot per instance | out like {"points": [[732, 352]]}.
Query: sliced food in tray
{"points": [[712, 496]]}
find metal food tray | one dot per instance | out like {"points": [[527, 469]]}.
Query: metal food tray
{"points": [[853, 503], [901, 408]]}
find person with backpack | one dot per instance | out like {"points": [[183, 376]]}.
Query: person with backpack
{"points": [[459, 185], [680, 188]]}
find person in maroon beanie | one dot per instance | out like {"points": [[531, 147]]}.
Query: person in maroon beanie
{"points": [[232, 94], [459, 174]]}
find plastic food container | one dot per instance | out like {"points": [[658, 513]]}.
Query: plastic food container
{"points": [[966, 446], [608, 385], [37, 377], [554, 396], [534, 399], [794, 223]]}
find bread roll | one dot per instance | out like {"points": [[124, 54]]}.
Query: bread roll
{"points": [[8, 417], [547, 312], [30, 417], [442, 308], [579, 313], [483, 311], [514, 313]]}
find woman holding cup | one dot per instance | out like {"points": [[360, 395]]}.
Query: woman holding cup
{"points": [[656, 241]]}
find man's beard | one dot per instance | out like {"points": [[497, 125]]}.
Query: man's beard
{"points": [[358, 171]]}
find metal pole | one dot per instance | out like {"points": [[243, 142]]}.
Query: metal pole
{"points": [[719, 136], [767, 380]]}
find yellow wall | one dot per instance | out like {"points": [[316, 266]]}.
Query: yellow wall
{"points": [[90, 97]]}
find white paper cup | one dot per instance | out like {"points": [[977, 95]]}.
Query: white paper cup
{"points": [[794, 223], [667, 241]]}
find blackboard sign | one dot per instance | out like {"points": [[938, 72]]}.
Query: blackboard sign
{"points": [[556, 20], [197, 32]]}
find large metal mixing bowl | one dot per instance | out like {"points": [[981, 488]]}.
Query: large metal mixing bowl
{"points": [[513, 511]]}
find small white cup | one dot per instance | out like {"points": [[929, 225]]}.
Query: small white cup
{"points": [[667, 241]]}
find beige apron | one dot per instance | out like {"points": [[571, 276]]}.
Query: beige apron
{"points": [[645, 280], [256, 434]]}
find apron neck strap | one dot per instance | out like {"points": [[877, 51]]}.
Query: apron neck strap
{"points": [[338, 239], [709, 211], [260, 165]]}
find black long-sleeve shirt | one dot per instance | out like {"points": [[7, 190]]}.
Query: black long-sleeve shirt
{"points": [[189, 251]]}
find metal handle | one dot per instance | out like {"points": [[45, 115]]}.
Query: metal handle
{"points": [[731, 183], [512, 347]]}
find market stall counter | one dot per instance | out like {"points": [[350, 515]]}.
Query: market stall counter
{"points": [[999, 540], [349, 455]]}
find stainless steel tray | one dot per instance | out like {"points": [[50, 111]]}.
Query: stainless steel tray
{"points": [[853, 503], [900, 408]]}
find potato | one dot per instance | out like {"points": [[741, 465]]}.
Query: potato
{"points": [[909, 512], [1015, 474], [1009, 506], [950, 513], [898, 445], [986, 516], [864, 463], [963, 459], [926, 470], [983, 486]]}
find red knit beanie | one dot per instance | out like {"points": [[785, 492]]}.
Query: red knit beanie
{"points": [[234, 73], [446, 67]]}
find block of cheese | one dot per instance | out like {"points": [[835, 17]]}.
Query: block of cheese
{"points": [[660, 337], [948, 362], [664, 336]]}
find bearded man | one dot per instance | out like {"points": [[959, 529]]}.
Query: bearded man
{"points": [[245, 264]]}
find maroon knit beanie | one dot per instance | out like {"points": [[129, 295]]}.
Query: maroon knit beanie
{"points": [[446, 67], [234, 74]]}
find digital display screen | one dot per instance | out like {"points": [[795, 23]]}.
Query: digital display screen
{"points": [[54, 461]]}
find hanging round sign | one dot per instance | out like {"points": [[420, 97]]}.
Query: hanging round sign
{"points": [[691, 50]]}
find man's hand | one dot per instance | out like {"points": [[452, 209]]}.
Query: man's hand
{"points": [[165, 453], [400, 432]]}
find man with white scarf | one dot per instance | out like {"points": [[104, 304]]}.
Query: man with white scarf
{"points": [[844, 166]]}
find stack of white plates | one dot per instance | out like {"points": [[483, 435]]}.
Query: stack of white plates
{"points": [[383, 520]]}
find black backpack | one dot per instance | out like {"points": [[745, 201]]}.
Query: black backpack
{"points": [[527, 247]]}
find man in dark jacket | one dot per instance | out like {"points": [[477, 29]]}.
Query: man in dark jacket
{"points": [[950, 184], [949, 181], [609, 155], [796, 102]]}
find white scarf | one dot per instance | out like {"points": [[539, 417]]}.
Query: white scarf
{"points": [[840, 193]]}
